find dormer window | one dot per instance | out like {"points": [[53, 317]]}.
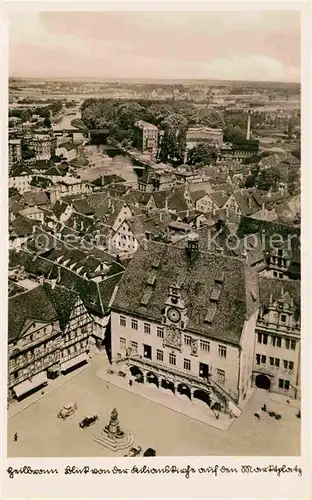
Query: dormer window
{"points": [[283, 318]]}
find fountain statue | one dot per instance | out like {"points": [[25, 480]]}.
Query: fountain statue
{"points": [[113, 437], [113, 428]]}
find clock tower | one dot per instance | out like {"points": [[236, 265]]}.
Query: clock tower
{"points": [[175, 312]]}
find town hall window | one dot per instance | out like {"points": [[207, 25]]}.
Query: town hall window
{"points": [[222, 351], [123, 343], [160, 332], [172, 358], [122, 321], [283, 384], [147, 328], [220, 376], [134, 346], [187, 340], [187, 364], [159, 355], [262, 338], [134, 324], [205, 345]]}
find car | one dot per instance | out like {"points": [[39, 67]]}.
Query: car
{"points": [[134, 452], [87, 421], [67, 410], [150, 452]]}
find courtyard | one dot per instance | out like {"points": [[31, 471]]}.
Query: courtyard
{"points": [[42, 434]]}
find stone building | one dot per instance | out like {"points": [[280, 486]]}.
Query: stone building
{"points": [[277, 343], [146, 137], [15, 151], [199, 135], [185, 320]]}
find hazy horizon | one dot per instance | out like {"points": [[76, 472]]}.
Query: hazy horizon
{"points": [[220, 46]]}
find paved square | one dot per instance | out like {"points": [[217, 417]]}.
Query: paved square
{"points": [[42, 434]]}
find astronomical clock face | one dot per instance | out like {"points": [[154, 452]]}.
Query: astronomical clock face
{"points": [[174, 315]]}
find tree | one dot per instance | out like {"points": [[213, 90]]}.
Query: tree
{"points": [[181, 145], [47, 123], [202, 154], [269, 179], [27, 152], [232, 133], [56, 107]]}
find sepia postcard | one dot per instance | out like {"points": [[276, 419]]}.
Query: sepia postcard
{"points": [[156, 327]]}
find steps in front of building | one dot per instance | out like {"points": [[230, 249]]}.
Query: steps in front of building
{"points": [[170, 401]]}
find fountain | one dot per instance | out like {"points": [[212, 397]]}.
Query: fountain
{"points": [[113, 437]]}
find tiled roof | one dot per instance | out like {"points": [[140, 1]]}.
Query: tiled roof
{"points": [[63, 301], [15, 206], [79, 222], [22, 226], [32, 198], [198, 277], [175, 199], [219, 197], [197, 195], [271, 288], [246, 202], [33, 304], [82, 206], [154, 223], [59, 208]]}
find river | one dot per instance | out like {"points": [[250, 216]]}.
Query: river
{"points": [[103, 161]]}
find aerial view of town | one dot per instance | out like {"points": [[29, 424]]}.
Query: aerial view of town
{"points": [[154, 234]]}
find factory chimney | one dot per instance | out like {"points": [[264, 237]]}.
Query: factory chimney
{"points": [[248, 126]]}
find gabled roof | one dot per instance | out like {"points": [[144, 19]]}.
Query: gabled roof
{"points": [[33, 304], [175, 199], [63, 301], [238, 297], [246, 202], [273, 289], [22, 226], [219, 197], [197, 195], [82, 206], [15, 206], [59, 208]]}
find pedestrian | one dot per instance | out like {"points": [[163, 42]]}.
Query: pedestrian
{"points": [[264, 407], [130, 383], [257, 415], [107, 385], [15, 436]]}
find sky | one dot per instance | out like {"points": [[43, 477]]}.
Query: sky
{"points": [[254, 46]]}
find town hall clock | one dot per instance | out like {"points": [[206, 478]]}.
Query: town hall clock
{"points": [[173, 314]]}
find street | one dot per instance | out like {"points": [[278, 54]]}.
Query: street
{"points": [[42, 434]]}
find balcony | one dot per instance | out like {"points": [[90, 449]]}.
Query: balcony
{"points": [[167, 371]]}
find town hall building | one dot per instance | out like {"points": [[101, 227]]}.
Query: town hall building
{"points": [[184, 320]]}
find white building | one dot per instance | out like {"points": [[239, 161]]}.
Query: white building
{"points": [[15, 151], [277, 343], [190, 332]]}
